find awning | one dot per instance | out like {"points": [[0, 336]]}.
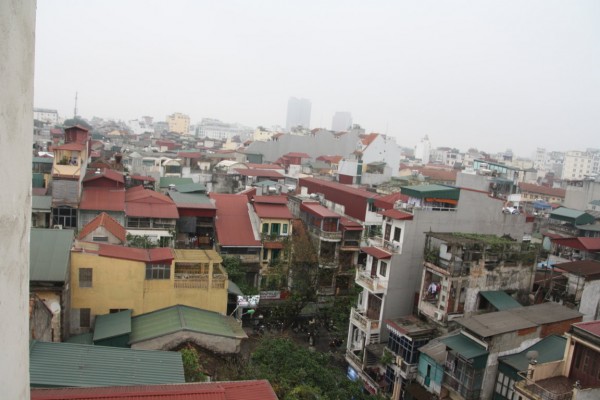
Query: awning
{"points": [[376, 252], [464, 346], [234, 289], [500, 300]]}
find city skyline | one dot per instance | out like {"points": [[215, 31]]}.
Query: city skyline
{"points": [[485, 75]]}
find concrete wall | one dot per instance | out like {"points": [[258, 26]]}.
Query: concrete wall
{"points": [[217, 344], [590, 301], [40, 320], [17, 46], [579, 197]]}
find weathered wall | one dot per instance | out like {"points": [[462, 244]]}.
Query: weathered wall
{"points": [[217, 344], [17, 46], [590, 301], [40, 320]]}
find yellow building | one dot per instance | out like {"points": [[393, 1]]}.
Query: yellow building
{"points": [[108, 278], [179, 123]]}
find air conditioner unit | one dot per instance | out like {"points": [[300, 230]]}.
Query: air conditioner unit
{"points": [[438, 315], [57, 226]]}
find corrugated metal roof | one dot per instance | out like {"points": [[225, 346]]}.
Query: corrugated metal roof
{"points": [[592, 327], [550, 348], [131, 253], [581, 243], [49, 253], [43, 160], [104, 199], [109, 174], [191, 200], [435, 191], [586, 268], [500, 300], [262, 173], [319, 210], [78, 365], [376, 252], [397, 214], [240, 390], [575, 217], [277, 211], [84, 338], [183, 318], [464, 346], [165, 181], [41, 203], [191, 188], [140, 202], [233, 224], [112, 325]]}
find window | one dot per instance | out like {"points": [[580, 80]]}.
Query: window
{"points": [[275, 229], [397, 233], [158, 271], [100, 238], [84, 317], [116, 310], [85, 277], [265, 228], [382, 268], [284, 229]]}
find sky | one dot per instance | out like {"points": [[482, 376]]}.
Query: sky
{"points": [[493, 75]]}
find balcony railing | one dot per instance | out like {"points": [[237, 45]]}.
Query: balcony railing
{"points": [[371, 283], [532, 389], [331, 236], [368, 325], [191, 281], [457, 386]]}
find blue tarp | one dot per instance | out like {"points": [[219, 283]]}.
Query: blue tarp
{"points": [[541, 205]]}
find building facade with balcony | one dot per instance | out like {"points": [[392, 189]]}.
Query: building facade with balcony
{"points": [[398, 251], [108, 278]]}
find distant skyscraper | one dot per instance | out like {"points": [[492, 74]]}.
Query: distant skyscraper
{"points": [[342, 121], [298, 113]]}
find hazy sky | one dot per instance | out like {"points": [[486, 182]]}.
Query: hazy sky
{"points": [[487, 74]]}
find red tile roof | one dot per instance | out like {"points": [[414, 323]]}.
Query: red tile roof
{"points": [[376, 252], [270, 199], [296, 154], [263, 166], [240, 390], [233, 224], [581, 243], [592, 327], [341, 187], [109, 174], [278, 211], [543, 190], [386, 202], [140, 202], [263, 173], [349, 225], [438, 174], [189, 154], [70, 146], [397, 214], [142, 178], [368, 139], [330, 159], [153, 255], [105, 199], [107, 222], [319, 210]]}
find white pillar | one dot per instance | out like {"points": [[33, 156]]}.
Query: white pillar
{"points": [[17, 46]]}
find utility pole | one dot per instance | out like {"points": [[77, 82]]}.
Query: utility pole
{"points": [[75, 110]]}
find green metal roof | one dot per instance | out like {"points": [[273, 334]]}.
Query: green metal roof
{"points": [[41, 203], [54, 364], [49, 253], [500, 300], [189, 198], [595, 202], [591, 228], [551, 348], [112, 325], [183, 318], [84, 338], [464, 346], [37, 180], [165, 181], [43, 160], [575, 217], [191, 188], [437, 191]]}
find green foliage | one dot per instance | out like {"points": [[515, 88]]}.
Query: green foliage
{"points": [[237, 274], [139, 241], [297, 373], [191, 365]]}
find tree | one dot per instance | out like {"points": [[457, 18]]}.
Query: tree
{"points": [[237, 274], [191, 364], [297, 373], [139, 241]]}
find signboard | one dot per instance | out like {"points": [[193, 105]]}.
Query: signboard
{"points": [[248, 301], [270, 295]]}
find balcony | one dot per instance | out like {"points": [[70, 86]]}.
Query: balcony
{"points": [[373, 284], [553, 388], [325, 235], [67, 170], [459, 388], [370, 326]]}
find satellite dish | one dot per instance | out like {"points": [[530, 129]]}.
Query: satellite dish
{"points": [[54, 307]]}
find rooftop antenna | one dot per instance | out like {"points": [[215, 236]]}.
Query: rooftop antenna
{"points": [[75, 110]]}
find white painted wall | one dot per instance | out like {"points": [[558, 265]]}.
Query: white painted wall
{"points": [[17, 46]]}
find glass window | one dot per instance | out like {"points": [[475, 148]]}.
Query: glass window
{"points": [[382, 268], [85, 277], [397, 233], [158, 271], [284, 229], [275, 229], [265, 228]]}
